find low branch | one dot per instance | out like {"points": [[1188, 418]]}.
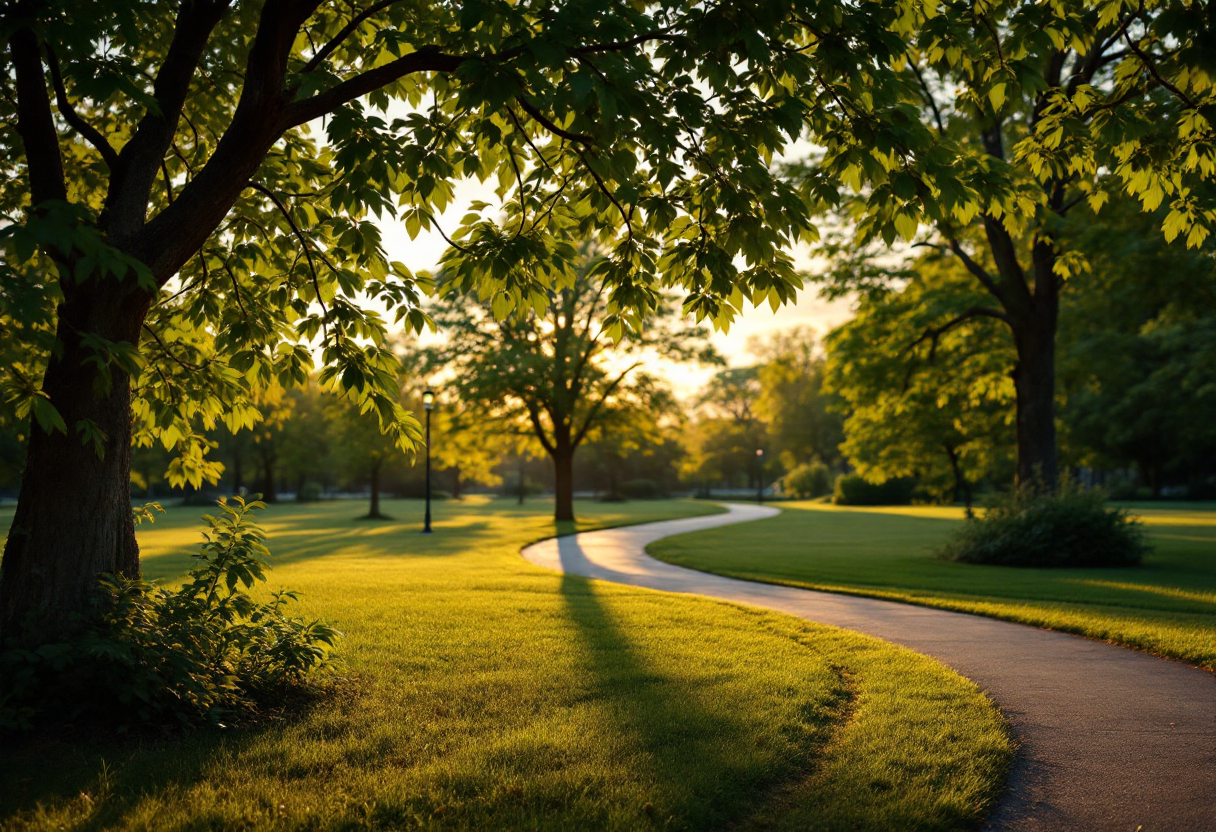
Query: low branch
{"points": [[934, 333]]}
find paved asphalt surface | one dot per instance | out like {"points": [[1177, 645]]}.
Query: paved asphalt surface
{"points": [[1110, 738]]}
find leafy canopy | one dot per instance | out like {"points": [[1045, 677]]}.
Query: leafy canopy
{"points": [[225, 165]]}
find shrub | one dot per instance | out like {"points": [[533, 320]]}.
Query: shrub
{"points": [[310, 492], [1069, 527], [204, 652], [853, 490], [642, 489], [812, 479]]}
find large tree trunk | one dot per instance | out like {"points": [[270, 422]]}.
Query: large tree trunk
{"points": [[73, 518], [563, 471], [1034, 380]]}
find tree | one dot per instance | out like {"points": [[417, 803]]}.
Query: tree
{"points": [[181, 228], [803, 422], [1137, 345], [1002, 119], [557, 373], [727, 433], [362, 451], [936, 408]]}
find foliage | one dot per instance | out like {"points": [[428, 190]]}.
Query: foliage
{"points": [[1069, 527], [800, 414], [856, 490], [642, 489], [207, 651], [997, 124], [935, 405], [258, 240], [556, 374], [810, 479], [1137, 348]]}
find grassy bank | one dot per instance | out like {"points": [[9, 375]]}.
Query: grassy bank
{"points": [[488, 693], [1165, 606]]}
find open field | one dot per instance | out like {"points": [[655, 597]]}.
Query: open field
{"points": [[484, 692], [1166, 606]]}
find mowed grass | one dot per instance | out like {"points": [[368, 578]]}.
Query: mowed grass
{"points": [[486, 693], [1167, 605]]}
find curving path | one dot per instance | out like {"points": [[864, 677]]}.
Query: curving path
{"points": [[1111, 739]]}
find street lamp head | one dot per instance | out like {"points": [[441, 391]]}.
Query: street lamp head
{"points": [[428, 399]]}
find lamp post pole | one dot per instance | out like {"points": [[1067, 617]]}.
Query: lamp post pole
{"points": [[428, 404], [760, 475]]}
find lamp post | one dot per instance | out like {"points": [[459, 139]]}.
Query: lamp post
{"points": [[428, 404], [760, 475]]}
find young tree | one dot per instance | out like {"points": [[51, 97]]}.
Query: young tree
{"points": [[179, 224], [360, 449], [557, 373], [1004, 118]]}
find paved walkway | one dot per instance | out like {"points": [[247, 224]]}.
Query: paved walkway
{"points": [[1111, 739]]}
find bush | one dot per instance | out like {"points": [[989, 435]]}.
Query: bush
{"points": [[642, 489], [205, 652], [853, 490], [812, 479], [1070, 527], [310, 492]]}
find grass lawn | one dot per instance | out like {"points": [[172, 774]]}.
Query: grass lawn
{"points": [[1166, 606], [489, 693]]}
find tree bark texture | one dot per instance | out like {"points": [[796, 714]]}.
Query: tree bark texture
{"points": [[73, 518], [563, 495], [1034, 379]]}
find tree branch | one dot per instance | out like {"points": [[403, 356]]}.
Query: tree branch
{"points": [[325, 51], [137, 164], [35, 124], [933, 333], [427, 59], [599, 404], [312, 267], [87, 132]]}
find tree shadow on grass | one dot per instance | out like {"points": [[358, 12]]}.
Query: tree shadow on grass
{"points": [[701, 756], [86, 779]]}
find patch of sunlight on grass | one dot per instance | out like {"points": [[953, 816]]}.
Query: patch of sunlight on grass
{"points": [[487, 693], [1164, 606], [1202, 597]]}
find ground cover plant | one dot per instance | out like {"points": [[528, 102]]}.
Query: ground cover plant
{"points": [[207, 650], [1167, 605], [489, 693]]}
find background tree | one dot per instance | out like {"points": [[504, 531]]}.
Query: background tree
{"points": [[803, 421], [184, 229], [557, 373], [937, 408], [1004, 118], [1137, 343], [361, 452]]}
